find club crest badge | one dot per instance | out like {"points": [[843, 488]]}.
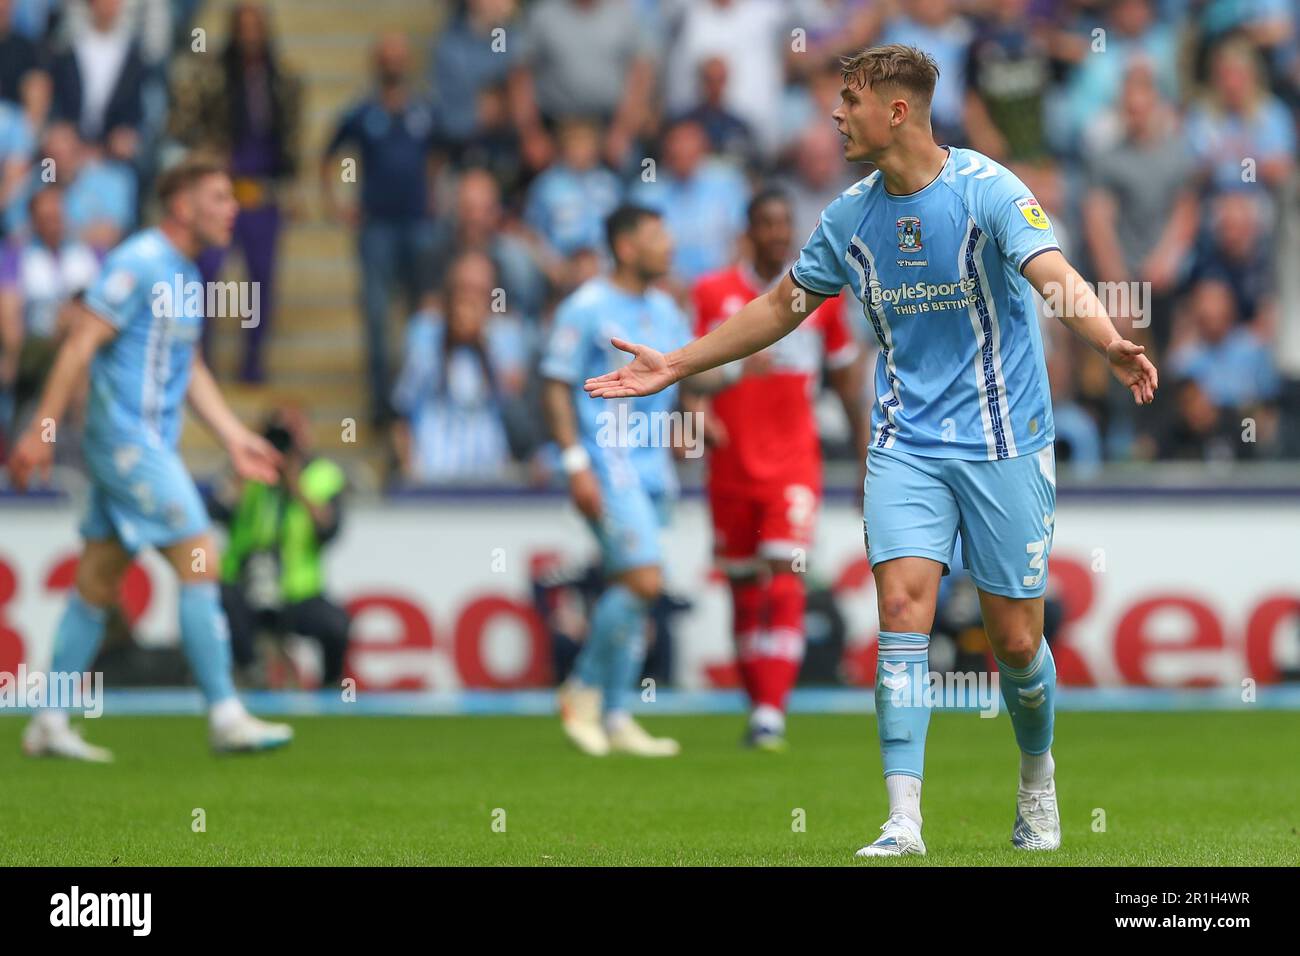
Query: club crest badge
{"points": [[909, 234]]}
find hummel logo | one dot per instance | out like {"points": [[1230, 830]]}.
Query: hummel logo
{"points": [[1033, 697], [975, 165]]}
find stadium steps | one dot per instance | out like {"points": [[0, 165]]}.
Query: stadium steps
{"points": [[314, 354]]}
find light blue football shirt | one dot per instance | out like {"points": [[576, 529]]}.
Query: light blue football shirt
{"points": [[139, 379], [960, 372], [624, 437]]}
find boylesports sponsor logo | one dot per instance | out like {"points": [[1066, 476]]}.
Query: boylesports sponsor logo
{"points": [[913, 297]]}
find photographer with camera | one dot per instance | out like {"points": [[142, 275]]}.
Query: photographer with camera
{"points": [[271, 574]]}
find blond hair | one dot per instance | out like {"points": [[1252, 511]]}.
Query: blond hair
{"points": [[895, 68]]}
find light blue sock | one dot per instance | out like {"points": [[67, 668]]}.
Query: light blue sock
{"points": [[612, 656], [626, 650], [77, 640], [205, 635], [902, 706], [1030, 696]]}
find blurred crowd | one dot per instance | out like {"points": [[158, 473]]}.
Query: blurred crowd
{"points": [[1160, 136]]}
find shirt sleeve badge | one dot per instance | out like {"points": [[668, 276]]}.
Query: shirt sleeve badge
{"points": [[1033, 212]]}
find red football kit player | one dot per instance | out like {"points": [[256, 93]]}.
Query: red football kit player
{"points": [[765, 463]]}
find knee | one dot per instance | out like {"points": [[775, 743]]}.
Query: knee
{"points": [[197, 561], [645, 583], [900, 610], [1015, 648], [99, 587]]}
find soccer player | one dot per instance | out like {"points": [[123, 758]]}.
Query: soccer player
{"points": [[619, 478], [136, 344], [942, 245], [765, 463]]}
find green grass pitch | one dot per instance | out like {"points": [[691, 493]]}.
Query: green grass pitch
{"points": [[1175, 788]]}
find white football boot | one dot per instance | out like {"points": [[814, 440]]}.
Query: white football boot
{"points": [[244, 733], [45, 736], [1038, 824], [900, 836], [580, 717], [628, 737]]}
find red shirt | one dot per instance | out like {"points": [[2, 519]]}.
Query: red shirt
{"points": [[768, 417]]}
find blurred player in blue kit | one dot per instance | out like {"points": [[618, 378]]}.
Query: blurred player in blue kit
{"points": [[941, 245], [136, 343], [620, 478]]}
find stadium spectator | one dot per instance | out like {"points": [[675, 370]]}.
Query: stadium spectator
{"points": [[749, 36], [831, 29], [1226, 358], [1008, 66], [1241, 133], [99, 200], [394, 131], [934, 26], [98, 81], [478, 223], [819, 175], [1128, 32], [463, 365], [16, 148], [701, 199], [1268, 25], [272, 576], [729, 135], [807, 107], [568, 203], [245, 106], [20, 61], [582, 58], [1197, 430], [471, 58], [1237, 251], [1140, 215], [148, 21], [39, 280], [495, 145]]}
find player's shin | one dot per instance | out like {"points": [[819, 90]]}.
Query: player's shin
{"points": [[593, 661], [625, 637], [776, 667], [748, 602], [76, 643], [1030, 695], [205, 637], [903, 716]]}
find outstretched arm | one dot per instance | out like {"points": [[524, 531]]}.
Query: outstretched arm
{"points": [[251, 454], [757, 325], [1082, 312]]}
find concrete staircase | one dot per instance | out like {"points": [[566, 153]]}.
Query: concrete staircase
{"points": [[314, 352]]}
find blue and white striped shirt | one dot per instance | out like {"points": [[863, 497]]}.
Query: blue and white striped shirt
{"points": [[153, 295], [960, 372]]}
